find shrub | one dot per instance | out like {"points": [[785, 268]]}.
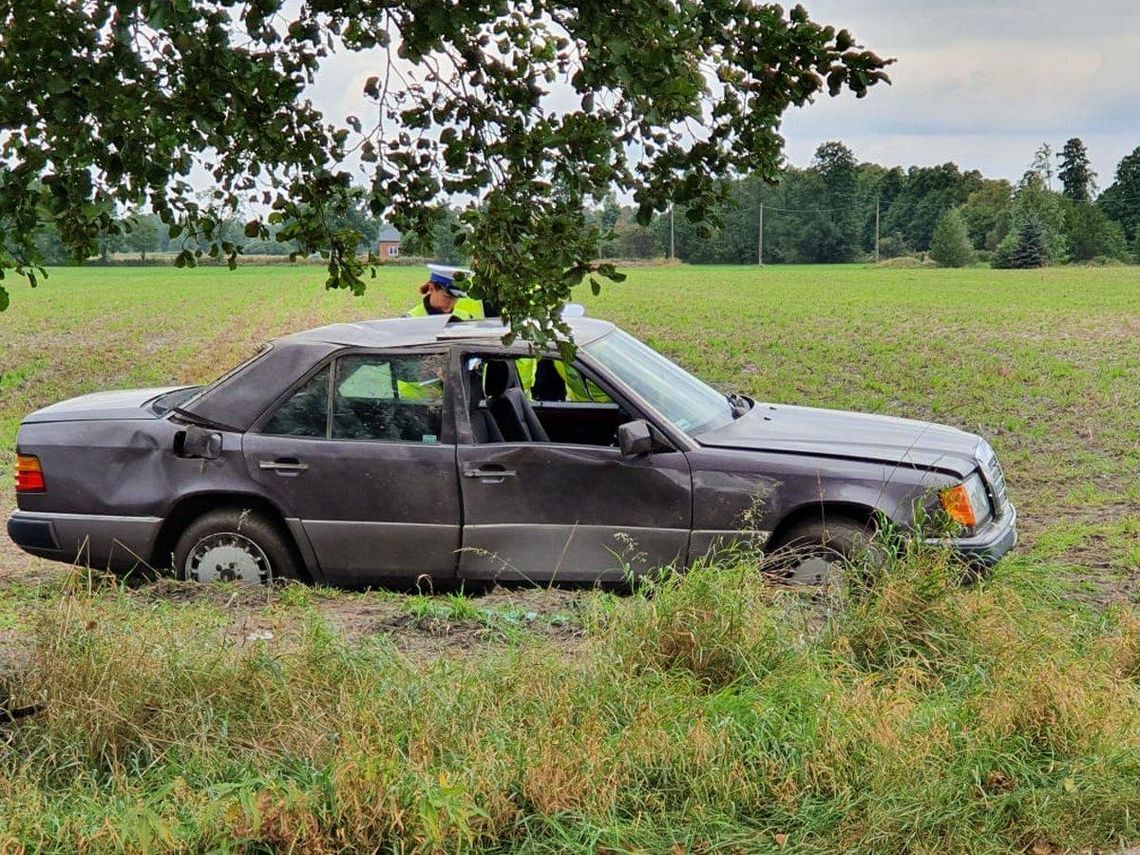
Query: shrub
{"points": [[893, 246]]}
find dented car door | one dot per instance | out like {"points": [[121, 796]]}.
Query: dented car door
{"points": [[359, 454]]}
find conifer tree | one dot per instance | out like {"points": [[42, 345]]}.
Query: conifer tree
{"points": [[950, 246], [1078, 181]]}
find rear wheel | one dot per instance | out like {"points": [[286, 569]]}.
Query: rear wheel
{"points": [[821, 552], [234, 545]]}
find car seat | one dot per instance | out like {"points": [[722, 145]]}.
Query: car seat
{"points": [[509, 406]]}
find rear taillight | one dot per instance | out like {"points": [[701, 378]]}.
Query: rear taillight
{"points": [[29, 474]]}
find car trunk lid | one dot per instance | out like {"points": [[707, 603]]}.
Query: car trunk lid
{"points": [[119, 405]]}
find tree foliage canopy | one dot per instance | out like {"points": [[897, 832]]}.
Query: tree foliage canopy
{"points": [[986, 213], [950, 245], [927, 193], [1078, 181], [1121, 201], [809, 212], [1026, 247], [111, 103], [1037, 233]]}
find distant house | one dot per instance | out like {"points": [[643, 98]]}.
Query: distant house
{"points": [[388, 243]]}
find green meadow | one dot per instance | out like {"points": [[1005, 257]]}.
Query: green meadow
{"points": [[708, 712]]}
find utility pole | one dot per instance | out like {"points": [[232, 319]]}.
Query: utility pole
{"points": [[877, 201], [760, 242], [672, 237]]}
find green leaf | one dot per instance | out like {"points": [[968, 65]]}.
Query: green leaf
{"points": [[4, 300], [204, 91]]}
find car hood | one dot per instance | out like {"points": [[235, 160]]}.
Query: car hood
{"points": [[835, 433], [119, 405]]}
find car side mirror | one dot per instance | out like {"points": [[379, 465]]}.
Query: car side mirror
{"points": [[198, 442], [635, 438]]}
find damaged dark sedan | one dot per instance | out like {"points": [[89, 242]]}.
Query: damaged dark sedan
{"points": [[359, 453]]}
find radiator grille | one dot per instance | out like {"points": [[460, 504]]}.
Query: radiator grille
{"points": [[996, 478]]}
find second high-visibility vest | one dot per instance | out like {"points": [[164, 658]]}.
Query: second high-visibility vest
{"points": [[578, 388], [465, 308]]}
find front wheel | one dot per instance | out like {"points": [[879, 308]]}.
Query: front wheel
{"points": [[233, 545], [821, 552]]}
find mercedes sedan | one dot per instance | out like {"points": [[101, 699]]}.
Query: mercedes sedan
{"points": [[359, 453]]}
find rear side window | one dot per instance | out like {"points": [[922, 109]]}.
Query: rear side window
{"points": [[306, 413], [384, 398], [397, 399]]}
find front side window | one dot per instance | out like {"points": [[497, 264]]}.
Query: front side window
{"points": [[523, 399], [553, 380], [384, 398]]}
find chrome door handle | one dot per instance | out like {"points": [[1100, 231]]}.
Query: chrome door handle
{"points": [[282, 465], [498, 474]]}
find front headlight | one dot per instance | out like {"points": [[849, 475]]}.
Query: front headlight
{"points": [[967, 503]]}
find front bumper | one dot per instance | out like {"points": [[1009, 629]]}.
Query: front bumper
{"points": [[99, 541], [986, 546]]}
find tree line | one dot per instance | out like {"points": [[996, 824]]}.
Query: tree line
{"points": [[840, 210], [835, 210]]}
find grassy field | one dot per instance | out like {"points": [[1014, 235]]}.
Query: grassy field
{"points": [[716, 714], [1045, 364]]}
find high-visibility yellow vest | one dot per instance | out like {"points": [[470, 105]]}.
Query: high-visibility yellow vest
{"points": [[465, 308], [527, 367], [578, 388], [409, 390]]}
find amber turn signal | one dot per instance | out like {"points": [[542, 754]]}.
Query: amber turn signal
{"points": [[29, 474], [956, 502]]}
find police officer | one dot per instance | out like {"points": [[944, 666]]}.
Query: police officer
{"points": [[443, 296]]}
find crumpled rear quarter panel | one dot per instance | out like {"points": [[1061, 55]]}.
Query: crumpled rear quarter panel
{"points": [[119, 469]]}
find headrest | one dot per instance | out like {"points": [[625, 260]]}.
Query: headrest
{"points": [[496, 378]]}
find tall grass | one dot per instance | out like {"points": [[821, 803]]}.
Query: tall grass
{"points": [[710, 711]]}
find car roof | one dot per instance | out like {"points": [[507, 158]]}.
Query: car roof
{"points": [[236, 399], [411, 332]]}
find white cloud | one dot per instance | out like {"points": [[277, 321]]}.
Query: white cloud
{"points": [[984, 85], [978, 82]]}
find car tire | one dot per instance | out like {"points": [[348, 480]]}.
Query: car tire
{"points": [[819, 551], [234, 545]]}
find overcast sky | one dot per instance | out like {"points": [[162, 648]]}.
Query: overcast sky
{"points": [[979, 82], [984, 82]]}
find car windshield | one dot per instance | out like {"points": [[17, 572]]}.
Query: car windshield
{"points": [[691, 404]]}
